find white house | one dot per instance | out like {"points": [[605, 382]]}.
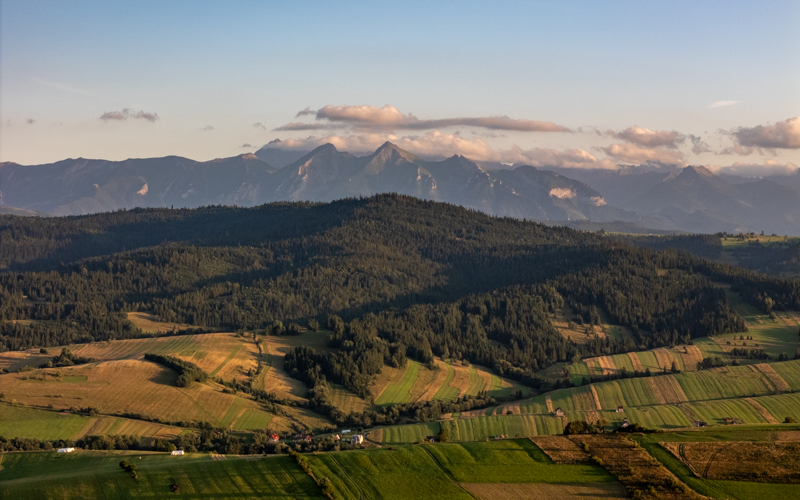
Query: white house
{"points": [[177, 452], [65, 450], [357, 439]]}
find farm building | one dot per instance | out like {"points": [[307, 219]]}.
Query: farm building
{"points": [[559, 412], [177, 452], [620, 409], [274, 438], [700, 423], [625, 423], [65, 450], [357, 439]]}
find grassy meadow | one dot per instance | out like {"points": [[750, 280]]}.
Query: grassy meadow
{"points": [[84, 474], [435, 471], [449, 381]]}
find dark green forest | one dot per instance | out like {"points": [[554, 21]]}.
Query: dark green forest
{"points": [[392, 277]]}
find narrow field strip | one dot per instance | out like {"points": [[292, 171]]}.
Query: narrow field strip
{"points": [[773, 376], [445, 391], [401, 392], [762, 411], [597, 404], [439, 379], [636, 362]]}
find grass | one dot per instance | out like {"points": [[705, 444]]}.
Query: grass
{"points": [[129, 386], [401, 391], [433, 471], [445, 392], [29, 423], [407, 472], [509, 461], [409, 433], [83, 474], [780, 407]]}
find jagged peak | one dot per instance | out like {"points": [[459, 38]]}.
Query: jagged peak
{"points": [[698, 170]]}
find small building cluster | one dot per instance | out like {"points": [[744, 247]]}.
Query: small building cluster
{"points": [[65, 450], [176, 452]]}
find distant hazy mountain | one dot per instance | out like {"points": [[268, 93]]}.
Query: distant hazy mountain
{"points": [[660, 198], [324, 174], [699, 201], [21, 212], [278, 157], [86, 186]]}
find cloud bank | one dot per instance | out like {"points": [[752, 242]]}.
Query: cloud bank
{"points": [[390, 118], [435, 144], [650, 138], [781, 135]]}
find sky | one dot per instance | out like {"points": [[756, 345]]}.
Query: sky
{"points": [[548, 83]]}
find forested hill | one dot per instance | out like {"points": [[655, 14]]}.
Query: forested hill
{"points": [[392, 276]]}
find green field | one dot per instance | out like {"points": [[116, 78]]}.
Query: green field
{"points": [[432, 471], [48, 425], [401, 392], [409, 433], [83, 474], [445, 392]]}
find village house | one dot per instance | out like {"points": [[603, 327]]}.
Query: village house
{"points": [[700, 423], [625, 423], [357, 439], [274, 438], [65, 450], [559, 412], [177, 452], [620, 409]]}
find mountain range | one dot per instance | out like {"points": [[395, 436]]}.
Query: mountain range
{"points": [[692, 199]]}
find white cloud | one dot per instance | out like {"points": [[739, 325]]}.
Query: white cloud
{"points": [[437, 144], [767, 168], [631, 153], [722, 104], [781, 135], [562, 193], [650, 138]]}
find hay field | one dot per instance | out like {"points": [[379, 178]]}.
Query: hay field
{"points": [[148, 323], [220, 354], [734, 490], [126, 386], [774, 336], [23, 422], [633, 466], [85, 474], [533, 491], [273, 378], [415, 382]]}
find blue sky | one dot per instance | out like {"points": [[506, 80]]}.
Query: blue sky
{"points": [[210, 71]]}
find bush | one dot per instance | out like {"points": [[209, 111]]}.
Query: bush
{"points": [[789, 420]]}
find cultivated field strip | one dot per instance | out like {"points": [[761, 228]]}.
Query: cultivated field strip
{"points": [[128, 386], [521, 491], [762, 411]]}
